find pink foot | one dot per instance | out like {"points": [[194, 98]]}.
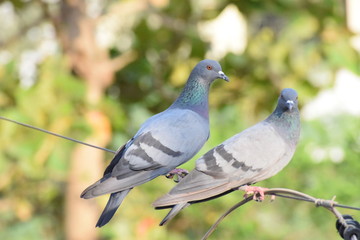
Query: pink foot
{"points": [[177, 174], [257, 192]]}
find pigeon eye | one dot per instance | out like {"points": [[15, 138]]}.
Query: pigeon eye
{"points": [[208, 67]]}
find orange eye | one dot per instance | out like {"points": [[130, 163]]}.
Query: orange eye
{"points": [[209, 67]]}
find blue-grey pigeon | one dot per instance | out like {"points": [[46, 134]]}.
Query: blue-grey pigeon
{"points": [[163, 142], [255, 154]]}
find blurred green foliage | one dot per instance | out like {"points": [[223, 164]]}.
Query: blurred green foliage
{"points": [[289, 42]]}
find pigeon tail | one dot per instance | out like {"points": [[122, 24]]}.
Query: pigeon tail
{"points": [[112, 205], [173, 212]]}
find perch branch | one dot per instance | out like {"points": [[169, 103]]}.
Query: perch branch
{"points": [[290, 194]]}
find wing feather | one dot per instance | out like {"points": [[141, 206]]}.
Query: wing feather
{"points": [[246, 154], [164, 141]]}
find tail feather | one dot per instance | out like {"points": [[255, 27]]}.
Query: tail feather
{"points": [[173, 212], [112, 205]]}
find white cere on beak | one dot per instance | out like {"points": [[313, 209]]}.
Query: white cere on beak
{"points": [[223, 76], [290, 103]]}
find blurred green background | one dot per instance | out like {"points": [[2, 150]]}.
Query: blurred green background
{"points": [[95, 70]]}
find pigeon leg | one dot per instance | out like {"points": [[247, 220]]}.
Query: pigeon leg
{"points": [[257, 192], [177, 174]]}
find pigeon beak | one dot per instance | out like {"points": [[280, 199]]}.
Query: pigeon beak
{"points": [[223, 76], [290, 104]]}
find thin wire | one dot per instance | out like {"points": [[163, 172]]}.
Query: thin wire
{"points": [[57, 135]]}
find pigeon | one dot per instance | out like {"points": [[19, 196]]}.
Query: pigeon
{"points": [[250, 156], [163, 142]]}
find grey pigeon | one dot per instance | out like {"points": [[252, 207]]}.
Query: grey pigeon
{"points": [[163, 142], [253, 155]]}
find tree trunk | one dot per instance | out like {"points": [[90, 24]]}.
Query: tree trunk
{"points": [[92, 64]]}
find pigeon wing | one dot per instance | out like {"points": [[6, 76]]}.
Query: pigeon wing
{"points": [[255, 153], [164, 142]]}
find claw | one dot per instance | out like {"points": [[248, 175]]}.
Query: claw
{"points": [[257, 192], [177, 174], [272, 198]]}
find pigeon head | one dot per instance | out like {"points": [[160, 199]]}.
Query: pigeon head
{"points": [[195, 94], [286, 117], [209, 70], [288, 100]]}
